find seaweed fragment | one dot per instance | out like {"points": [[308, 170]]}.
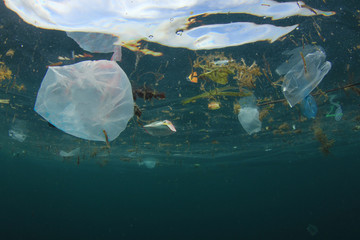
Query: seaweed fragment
{"points": [[218, 75], [217, 92], [5, 72], [326, 143]]}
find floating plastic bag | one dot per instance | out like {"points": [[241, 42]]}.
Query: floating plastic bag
{"points": [[249, 115], [303, 72], [160, 128], [163, 21], [308, 107], [86, 98]]}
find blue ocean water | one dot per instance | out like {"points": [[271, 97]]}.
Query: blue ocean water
{"points": [[211, 179]]}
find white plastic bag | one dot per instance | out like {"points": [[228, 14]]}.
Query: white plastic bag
{"points": [[88, 99]]}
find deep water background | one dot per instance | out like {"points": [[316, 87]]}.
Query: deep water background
{"points": [[265, 201], [272, 195]]}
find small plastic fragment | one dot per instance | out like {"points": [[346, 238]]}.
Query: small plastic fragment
{"points": [[149, 162], [249, 115], [72, 153], [337, 114], [308, 107], [94, 42], [160, 128], [117, 56], [18, 130]]}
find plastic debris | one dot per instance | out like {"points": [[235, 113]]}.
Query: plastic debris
{"points": [[149, 162], [94, 42], [165, 22], [87, 98], [160, 128], [303, 72], [249, 115], [308, 107], [97, 43], [72, 153], [337, 114], [18, 130]]}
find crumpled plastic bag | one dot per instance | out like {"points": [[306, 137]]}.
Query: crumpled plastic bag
{"points": [[249, 115], [301, 78], [87, 98]]}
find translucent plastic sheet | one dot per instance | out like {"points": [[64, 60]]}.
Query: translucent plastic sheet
{"points": [[249, 115], [18, 130], [90, 100], [303, 72], [97, 43], [337, 113], [165, 21], [308, 107], [94, 42]]}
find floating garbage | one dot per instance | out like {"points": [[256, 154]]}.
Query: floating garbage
{"points": [[72, 153], [337, 114], [18, 130], [149, 162], [160, 128], [86, 99], [94, 42], [308, 107], [249, 115], [97, 43], [165, 22], [303, 72]]}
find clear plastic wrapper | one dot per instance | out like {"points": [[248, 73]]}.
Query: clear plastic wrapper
{"points": [[249, 115], [305, 69]]}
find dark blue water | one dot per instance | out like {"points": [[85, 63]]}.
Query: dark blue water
{"points": [[249, 192], [272, 201]]}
